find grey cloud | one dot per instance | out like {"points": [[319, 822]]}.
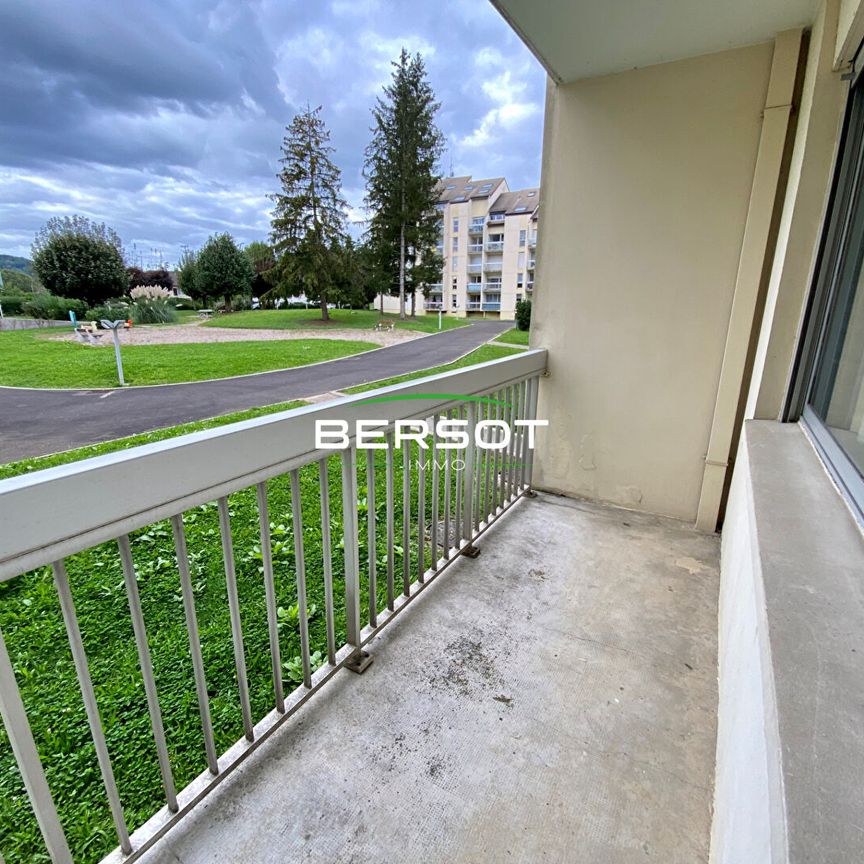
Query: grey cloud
{"points": [[164, 118]]}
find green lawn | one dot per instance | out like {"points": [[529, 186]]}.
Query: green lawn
{"points": [[514, 337], [28, 359], [361, 319], [479, 355], [34, 633]]}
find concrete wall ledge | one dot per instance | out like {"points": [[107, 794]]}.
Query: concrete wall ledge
{"points": [[790, 744]]}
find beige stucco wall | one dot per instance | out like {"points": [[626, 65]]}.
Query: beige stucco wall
{"points": [[646, 181], [818, 127]]}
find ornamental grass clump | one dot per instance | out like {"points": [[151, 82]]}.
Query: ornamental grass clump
{"points": [[151, 305]]}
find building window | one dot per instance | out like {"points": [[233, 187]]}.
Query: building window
{"points": [[454, 262], [455, 225], [521, 259], [455, 283], [520, 280], [518, 298], [455, 244], [522, 235], [453, 301], [829, 391]]}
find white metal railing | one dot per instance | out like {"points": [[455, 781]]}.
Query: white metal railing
{"points": [[495, 246], [47, 518], [475, 268], [475, 247]]}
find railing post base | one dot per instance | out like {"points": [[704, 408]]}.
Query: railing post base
{"points": [[359, 662], [530, 493], [471, 551]]}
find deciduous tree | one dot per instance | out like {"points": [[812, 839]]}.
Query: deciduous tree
{"points": [[222, 270], [75, 257]]}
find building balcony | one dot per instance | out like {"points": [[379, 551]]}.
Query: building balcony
{"points": [[473, 306], [433, 305], [529, 287], [476, 227], [492, 267], [436, 288], [496, 219], [532, 242], [491, 306], [475, 268], [495, 246], [475, 247], [531, 263], [474, 287]]}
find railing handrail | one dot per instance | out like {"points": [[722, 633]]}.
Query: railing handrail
{"points": [[95, 500]]}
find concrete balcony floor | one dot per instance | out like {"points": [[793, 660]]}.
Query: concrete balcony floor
{"points": [[553, 700]]}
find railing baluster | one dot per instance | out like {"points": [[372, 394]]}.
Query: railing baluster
{"points": [[470, 458], [300, 566], [458, 480], [79, 657], [391, 529], [194, 642], [496, 466], [270, 595], [327, 556], [532, 415], [234, 611], [436, 491], [146, 665], [421, 514], [511, 450], [27, 756], [352, 569], [487, 455], [448, 485], [406, 518], [371, 537], [523, 438]]}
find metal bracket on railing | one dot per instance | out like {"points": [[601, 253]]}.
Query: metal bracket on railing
{"points": [[359, 662], [471, 551]]}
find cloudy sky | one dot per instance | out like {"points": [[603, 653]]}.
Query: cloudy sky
{"points": [[164, 117]]}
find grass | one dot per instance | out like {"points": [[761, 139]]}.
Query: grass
{"points": [[361, 319], [483, 354], [35, 636], [514, 337], [29, 359]]}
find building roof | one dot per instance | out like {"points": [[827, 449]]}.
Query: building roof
{"points": [[454, 190], [518, 202]]}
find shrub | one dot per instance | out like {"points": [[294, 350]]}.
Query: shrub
{"points": [[523, 314], [47, 307], [13, 304], [112, 310], [153, 310]]}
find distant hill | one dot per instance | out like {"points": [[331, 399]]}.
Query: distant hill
{"points": [[16, 262]]}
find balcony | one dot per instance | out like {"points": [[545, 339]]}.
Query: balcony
{"points": [[495, 246], [473, 306], [436, 288], [531, 263], [433, 305], [491, 306], [496, 219], [475, 268], [577, 638], [532, 242], [476, 227], [475, 247], [474, 287], [529, 287], [492, 267], [492, 287]]}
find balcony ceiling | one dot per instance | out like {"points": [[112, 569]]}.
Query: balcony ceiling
{"points": [[576, 39]]}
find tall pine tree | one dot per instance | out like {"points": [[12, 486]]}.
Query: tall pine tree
{"points": [[401, 177], [309, 217]]}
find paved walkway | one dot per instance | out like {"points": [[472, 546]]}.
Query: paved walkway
{"points": [[36, 422]]}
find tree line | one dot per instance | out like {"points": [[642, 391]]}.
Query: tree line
{"points": [[310, 251]]}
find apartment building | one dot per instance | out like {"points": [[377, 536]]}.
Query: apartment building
{"points": [[488, 241]]}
